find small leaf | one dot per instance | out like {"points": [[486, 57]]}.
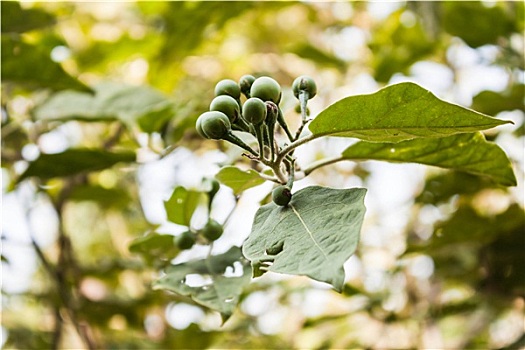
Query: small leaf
{"points": [[155, 245], [399, 112], [465, 152], [313, 236], [239, 180], [181, 205], [220, 289], [74, 161], [105, 197], [17, 56]]}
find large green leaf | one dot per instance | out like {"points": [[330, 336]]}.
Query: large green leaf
{"points": [[74, 161], [18, 57], [18, 20], [313, 236], [141, 104], [399, 112], [239, 180], [181, 205], [465, 152], [224, 275]]}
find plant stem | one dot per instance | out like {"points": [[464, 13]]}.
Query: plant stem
{"points": [[321, 163], [294, 145]]}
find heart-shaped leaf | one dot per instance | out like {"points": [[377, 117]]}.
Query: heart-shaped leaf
{"points": [[465, 152], [223, 279], [314, 235], [399, 112], [239, 180]]}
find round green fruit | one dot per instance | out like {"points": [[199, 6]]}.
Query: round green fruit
{"points": [[228, 87], [227, 105], [213, 125], [185, 240], [267, 89], [304, 83], [282, 195], [245, 83], [254, 110], [212, 230]]}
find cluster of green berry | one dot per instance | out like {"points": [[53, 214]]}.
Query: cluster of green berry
{"points": [[258, 115]]}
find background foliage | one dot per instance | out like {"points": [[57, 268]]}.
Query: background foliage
{"points": [[99, 102]]}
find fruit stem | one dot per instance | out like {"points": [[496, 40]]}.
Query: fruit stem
{"points": [[259, 131], [237, 141], [303, 99], [282, 123]]}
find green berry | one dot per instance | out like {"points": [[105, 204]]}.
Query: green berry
{"points": [[185, 240], [304, 83], [245, 83], [212, 230], [267, 89], [214, 125], [228, 87], [254, 110], [227, 105], [282, 195]]}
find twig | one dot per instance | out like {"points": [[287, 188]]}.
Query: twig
{"points": [[321, 163]]}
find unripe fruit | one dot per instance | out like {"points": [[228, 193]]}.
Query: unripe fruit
{"points": [[254, 110], [245, 83], [212, 230], [267, 89], [185, 240], [227, 105], [214, 125], [282, 195], [228, 87], [304, 83]]}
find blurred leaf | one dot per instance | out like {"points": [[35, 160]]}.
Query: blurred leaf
{"points": [[105, 197], [239, 180], [228, 273], [17, 56], [74, 161], [476, 23], [18, 20], [503, 258], [155, 246], [141, 104], [492, 103], [465, 152], [399, 112], [467, 226], [309, 52], [181, 205], [396, 46], [314, 235], [186, 25], [440, 188]]}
